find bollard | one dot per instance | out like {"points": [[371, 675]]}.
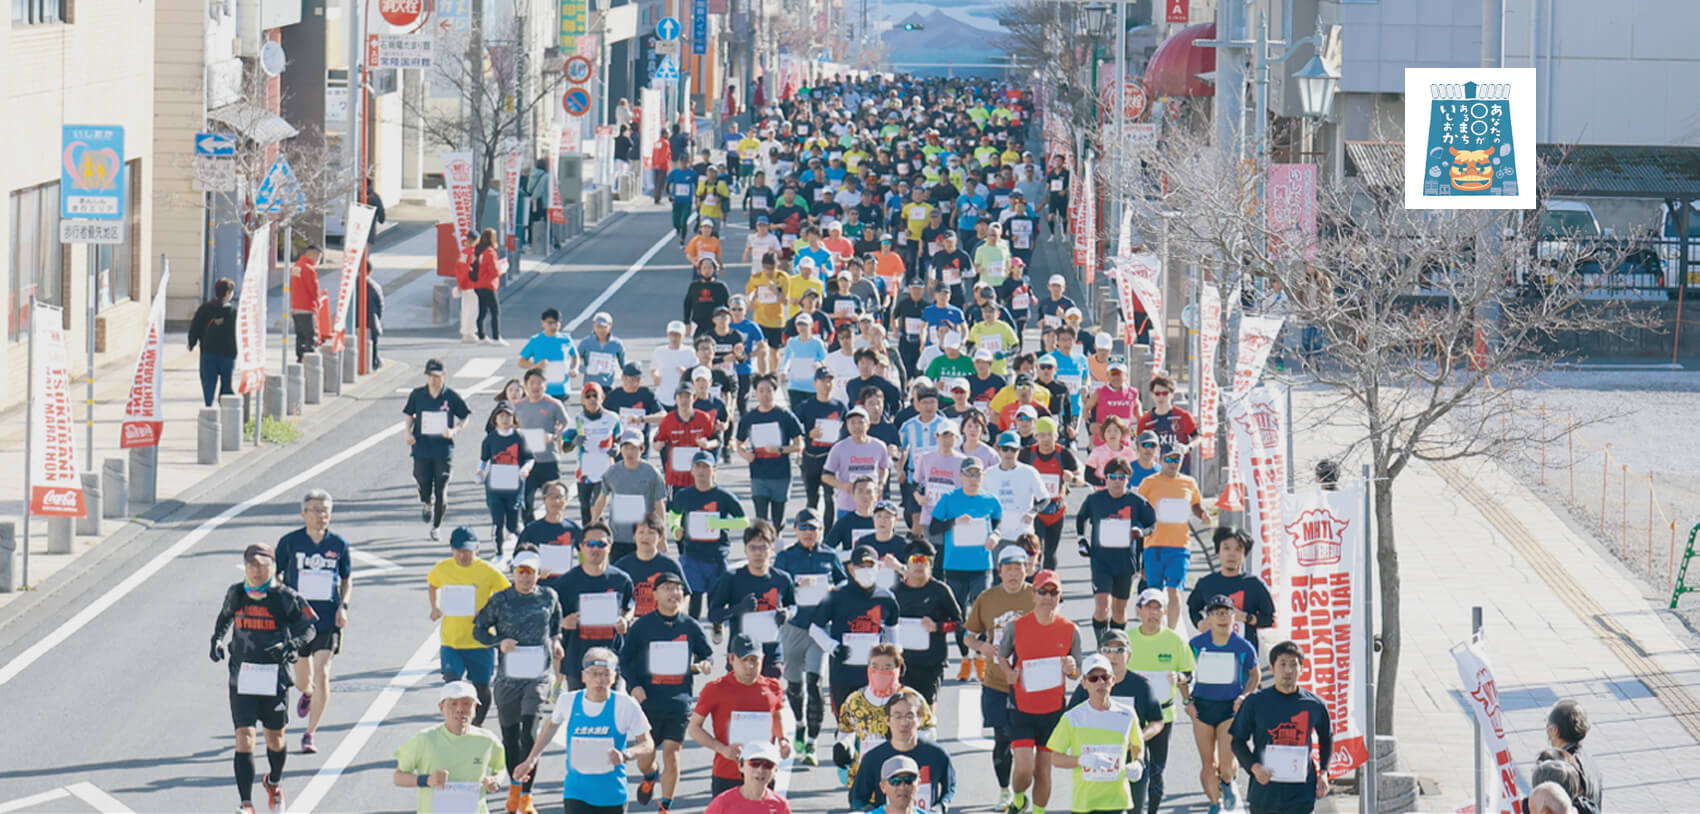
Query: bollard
{"points": [[445, 306], [331, 371], [115, 485], [207, 436], [8, 558], [1396, 792], [230, 423], [144, 478], [89, 523], [274, 397], [312, 378], [297, 383], [58, 535], [350, 366]]}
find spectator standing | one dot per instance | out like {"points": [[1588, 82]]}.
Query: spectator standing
{"points": [[214, 329]]}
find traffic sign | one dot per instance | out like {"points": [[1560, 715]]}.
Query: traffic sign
{"points": [[667, 71], [667, 48], [667, 28], [279, 185], [215, 145], [92, 172], [576, 101], [578, 70]]}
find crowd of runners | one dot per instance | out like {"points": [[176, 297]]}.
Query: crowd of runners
{"points": [[881, 339]]}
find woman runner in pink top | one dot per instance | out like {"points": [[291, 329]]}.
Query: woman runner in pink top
{"points": [[1115, 430]]}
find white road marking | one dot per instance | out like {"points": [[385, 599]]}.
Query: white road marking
{"points": [[480, 367], [417, 667], [782, 777], [33, 800], [489, 385], [103, 802], [590, 310], [968, 719], [374, 563], [106, 600]]}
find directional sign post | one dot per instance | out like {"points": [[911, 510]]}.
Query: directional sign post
{"points": [[215, 163], [667, 28], [576, 102]]}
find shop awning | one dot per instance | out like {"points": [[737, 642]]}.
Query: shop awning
{"points": [[1175, 66], [1377, 163], [255, 123]]}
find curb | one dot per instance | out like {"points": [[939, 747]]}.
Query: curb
{"points": [[554, 257]]}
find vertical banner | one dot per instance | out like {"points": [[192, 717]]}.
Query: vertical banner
{"points": [[359, 222], [1209, 390], [573, 22], [1257, 337], [1323, 596], [699, 27], [1260, 444], [512, 163], [144, 412], [1291, 210], [1482, 695], [457, 175], [557, 135], [56, 490], [251, 316], [1145, 275], [649, 128]]}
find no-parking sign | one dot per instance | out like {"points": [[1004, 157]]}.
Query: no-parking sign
{"points": [[576, 102]]}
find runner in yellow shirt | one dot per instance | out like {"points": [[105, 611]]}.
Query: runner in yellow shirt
{"points": [[769, 290], [459, 587], [713, 195]]}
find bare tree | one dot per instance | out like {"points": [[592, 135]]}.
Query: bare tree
{"points": [[1424, 327], [1041, 41]]}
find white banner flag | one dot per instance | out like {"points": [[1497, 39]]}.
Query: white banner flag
{"points": [[251, 316], [1146, 272], [56, 490], [1482, 695], [512, 163], [1323, 594], [144, 412], [649, 128], [1258, 424], [1209, 390], [457, 175], [1257, 337], [359, 222]]}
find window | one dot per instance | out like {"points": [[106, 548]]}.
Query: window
{"points": [[38, 12], [37, 261], [117, 273]]}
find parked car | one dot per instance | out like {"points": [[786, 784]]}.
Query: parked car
{"points": [[1669, 247]]}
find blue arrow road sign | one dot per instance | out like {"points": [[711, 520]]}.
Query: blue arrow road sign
{"points": [[667, 28], [279, 185], [214, 145], [668, 71]]}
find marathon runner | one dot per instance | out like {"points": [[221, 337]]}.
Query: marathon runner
{"points": [[317, 565], [505, 463], [1176, 499], [552, 353], [1039, 650], [435, 414], [849, 622], [1099, 739], [664, 652], [631, 490], [553, 536], [604, 353], [646, 564], [605, 730], [1272, 735], [1134, 690], [1227, 673], [453, 764], [593, 432], [936, 776], [753, 793], [768, 435], [1119, 520], [458, 588], [754, 598], [861, 715], [596, 601], [269, 624], [541, 419], [523, 623], [965, 521], [1253, 607], [990, 613], [744, 707], [816, 571], [706, 513]]}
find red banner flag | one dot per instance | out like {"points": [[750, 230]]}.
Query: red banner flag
{"points": [[144, 412], [251, 316]]}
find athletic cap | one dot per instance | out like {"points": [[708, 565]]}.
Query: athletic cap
{"points": [[1096, 661], [951, 339], [602, 318], [1152, 595], [433, 366], [856, 412], [898, 764], [984, 355], [702, 373], [759, 750], [1012, 553], [257, 550], [971, 462], [742, 645], [886, 506], [1046, 424], [669, 578], [1117, 363], [528, 559], [1148, 437], [1114, 635], [948, 425], [721, 309], [823, 373], [1023, 380], [1047, 577], [1009, 439], [456, 690], [675, 327], [807, 517], [463, 537], [703, 456], [1104, 339], [631, 437], [1057, 279], [592, 387], [631, 369], [1219, 601], [863, 555]]}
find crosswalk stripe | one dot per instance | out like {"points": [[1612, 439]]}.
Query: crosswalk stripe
{"points": [[968, 719], [480, 367]]}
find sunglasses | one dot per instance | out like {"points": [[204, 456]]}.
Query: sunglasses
{"points": [[595, 543], [1112, 651], [808, 527], [902, 779], [1115, 477], [758, 763], [1171, 459], [525, 569], [1160, 393], [1095, 678], [1148, 446], [1049, 592], [921, 558]]}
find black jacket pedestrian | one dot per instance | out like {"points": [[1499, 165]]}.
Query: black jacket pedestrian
{"points": [[214, 328], [701, 298]]}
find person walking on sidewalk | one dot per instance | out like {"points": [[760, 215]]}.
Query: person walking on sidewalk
{"points": [[1271, 735], [214, 329], [434, 414], [304, 300], [374, 313], [486, 273], [315, 562]]}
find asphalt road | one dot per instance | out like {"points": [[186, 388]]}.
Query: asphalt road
{"points": [[126, 713]]}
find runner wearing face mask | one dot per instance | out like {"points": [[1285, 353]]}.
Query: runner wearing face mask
{"points": [[850, 621], [862, 723]]}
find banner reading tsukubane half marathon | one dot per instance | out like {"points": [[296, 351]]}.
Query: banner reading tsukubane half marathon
{"points": [[1209, 390], [1146, 273], [1257, 423], [457, 176], [55, 488], [358, 227], [1322, 609], [1481, 694], [251, 316], [144, 411]]}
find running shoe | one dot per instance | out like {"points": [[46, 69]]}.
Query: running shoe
{"points": [[502, 342], [274, 794], [433, 534], [646, 790], [1230, 796], [843, 775], [245, 808], [719, 632], [809, 758], [425, 512], [966, 673], [1004, 796], [515, 792], [308, 747], [526, 806], [1215, 808], [980, 669], [1017, 804], [304, 706]]}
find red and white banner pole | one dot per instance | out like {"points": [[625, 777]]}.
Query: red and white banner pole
{"points": [[52, 485], [144, 411], [357, 226]]}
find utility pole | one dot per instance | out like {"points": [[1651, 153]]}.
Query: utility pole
{"points": [[522, 67]]}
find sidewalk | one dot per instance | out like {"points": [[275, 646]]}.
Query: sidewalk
{"points": [[1562, 619]]}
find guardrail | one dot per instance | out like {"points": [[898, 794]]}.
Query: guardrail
{"points": [[1615, 268]]}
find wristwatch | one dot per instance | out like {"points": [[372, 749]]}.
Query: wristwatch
{"points": [[424, 780]]}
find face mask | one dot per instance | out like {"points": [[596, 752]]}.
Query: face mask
{"points": [[259, 591], [882, 683], [864, 577]]}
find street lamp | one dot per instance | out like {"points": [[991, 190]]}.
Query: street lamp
{"points": [[1097, 19], [1315, 84]]}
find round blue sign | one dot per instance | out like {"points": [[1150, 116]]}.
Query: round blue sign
{"points": [[576, 102]]}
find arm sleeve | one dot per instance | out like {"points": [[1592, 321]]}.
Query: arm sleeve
{"points": [[1324, 738], [1195, 604], [719, 603], [1006, 648], [483, 623], [1239, 734], [1074, 648], [948, 793], [226, 615]]}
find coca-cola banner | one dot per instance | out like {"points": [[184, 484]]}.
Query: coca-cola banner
{"points": [[144, 412], [359, 226], [55, 488], [251, 316], [457, 176], [1321, 603]]}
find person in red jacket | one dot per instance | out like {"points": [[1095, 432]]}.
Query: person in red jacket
{"points": [[463, 287], [486, 269], [304, 297], [660, 162]]}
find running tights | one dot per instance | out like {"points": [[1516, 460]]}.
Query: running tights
{"points": [[517, 740], [771, 510], [432, 477], [1003, 757], [483, 691], [1050, 534], [1158, 758], [816, 705]]}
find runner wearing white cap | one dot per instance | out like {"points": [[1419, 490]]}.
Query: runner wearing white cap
{"points": [[453, 764]]}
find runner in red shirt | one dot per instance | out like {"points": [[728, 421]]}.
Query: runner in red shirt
{"points": [[1039, 650], [737, 703], [681, 433]]}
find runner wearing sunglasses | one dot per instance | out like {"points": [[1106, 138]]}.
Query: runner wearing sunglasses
{"points": [[753, 796], [1177, 499], [1100, 741], [596, 601], [1039, 651], [523, 623], [1119, 520]]}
